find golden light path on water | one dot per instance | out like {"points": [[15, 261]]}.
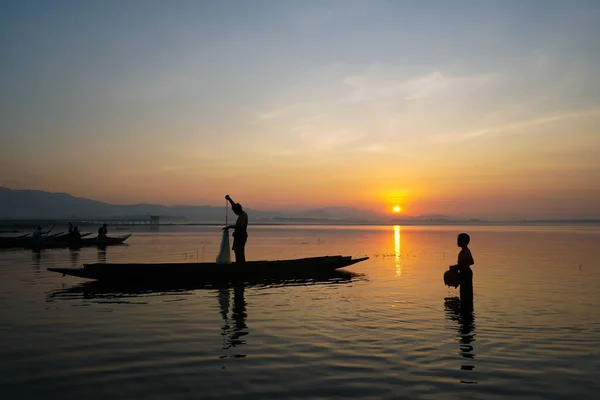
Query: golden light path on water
{"points": [[397, 250]]}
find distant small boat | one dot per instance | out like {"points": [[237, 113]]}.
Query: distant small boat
{"points": [[7, 242], [62, 243], [25, 240], [209, 272], [10, 242]]}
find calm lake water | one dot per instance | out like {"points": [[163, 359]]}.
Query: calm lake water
{"points": [[391, 331]]}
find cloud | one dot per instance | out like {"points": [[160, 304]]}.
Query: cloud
{"points": [[517, 126], [369, 109], [269, 115], [392, 83]]}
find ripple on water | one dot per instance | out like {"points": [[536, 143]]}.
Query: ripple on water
{"points": [[396, 332]]}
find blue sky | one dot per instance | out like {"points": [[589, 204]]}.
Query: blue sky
{"points": [[417, 102]]}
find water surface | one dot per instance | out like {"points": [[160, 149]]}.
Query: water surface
{"points": [[392, 330]]}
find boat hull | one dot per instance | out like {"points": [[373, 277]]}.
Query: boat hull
{"points": [[103, 290], [209, 272], [12, 242], [60, 241], [84, 242]]}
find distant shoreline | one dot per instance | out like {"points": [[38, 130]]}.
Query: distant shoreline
{"points": [[11, 225]]}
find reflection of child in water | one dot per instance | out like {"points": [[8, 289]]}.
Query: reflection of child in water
{"points": [[465, 260]]}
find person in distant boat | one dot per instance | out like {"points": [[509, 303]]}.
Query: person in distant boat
{"points": [[240, 231], [102, 232], [465, 273], [36, 237], [76, 235], [70, 229]]}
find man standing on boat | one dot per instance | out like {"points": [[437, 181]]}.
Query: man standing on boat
{"points": [[240, 232], [36, 237]]}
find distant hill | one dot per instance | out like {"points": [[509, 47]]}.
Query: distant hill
{"points": [[25, 204], [36, 204]]}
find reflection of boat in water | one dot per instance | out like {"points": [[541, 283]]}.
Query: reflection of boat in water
{"points": [[210, 272], [110, 290], [462, 313], [231, 298]]}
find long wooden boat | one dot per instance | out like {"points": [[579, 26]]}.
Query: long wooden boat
{"points": [[7, 242], [63, 243], [67, 237], [10, 242], [60, 239], [83, 242], [209, 272]]}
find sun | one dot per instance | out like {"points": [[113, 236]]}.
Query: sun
{"points": [[397, 209]]}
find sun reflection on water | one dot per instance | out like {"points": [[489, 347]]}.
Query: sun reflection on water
{"points": [[397, 250]]}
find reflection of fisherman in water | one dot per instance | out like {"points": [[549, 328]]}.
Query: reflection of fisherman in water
{"points": [[36, 259], [232, 334], [461, 311], [102, 254], [74, 253]]}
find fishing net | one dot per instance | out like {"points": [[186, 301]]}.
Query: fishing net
{"points": [[224, 256]]}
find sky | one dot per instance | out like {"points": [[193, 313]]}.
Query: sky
{"points": [[467, 108]]}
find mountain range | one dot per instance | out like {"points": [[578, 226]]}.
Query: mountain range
{"points": [[36, 204]]}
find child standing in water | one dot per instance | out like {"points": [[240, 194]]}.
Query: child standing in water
{"points": [[465, 273]]}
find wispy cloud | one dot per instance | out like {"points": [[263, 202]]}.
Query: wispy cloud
{"points": [[364, 111], [517, 126]]}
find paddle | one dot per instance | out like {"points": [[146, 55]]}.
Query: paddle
{"points": [[50, 230]]}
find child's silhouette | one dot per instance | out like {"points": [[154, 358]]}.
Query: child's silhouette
{"points": [[465, 273]]}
